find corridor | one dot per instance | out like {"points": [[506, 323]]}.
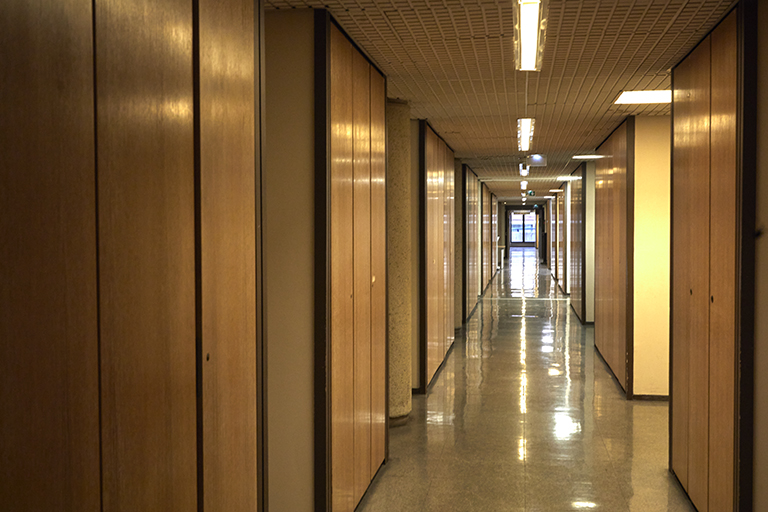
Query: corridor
{"points": [[525, 415]]}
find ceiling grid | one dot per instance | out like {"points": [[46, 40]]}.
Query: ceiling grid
{"points": [[453, 60]]}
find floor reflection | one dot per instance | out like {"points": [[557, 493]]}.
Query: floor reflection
{"points": [[523, 416]]}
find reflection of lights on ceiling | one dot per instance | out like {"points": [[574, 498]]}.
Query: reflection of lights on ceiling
{"points": [[643, 97], [583, 504], [565, 427], [521, 448], [587, 157], [554, 372], [548, 348]]}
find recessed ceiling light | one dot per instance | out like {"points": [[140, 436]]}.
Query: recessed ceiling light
{"points": [[523, 185], [587, 157], [641, 97], [568, 178], [530, 30], [556, 190], [524, 133]]}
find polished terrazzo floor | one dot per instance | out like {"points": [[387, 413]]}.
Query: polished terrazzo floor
{"points": [[524, 416]]}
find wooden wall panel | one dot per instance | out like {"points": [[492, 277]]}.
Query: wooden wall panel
{"points": [[611, 264], [494, 234], [552, 214], [724, 226], [577, 263], [228, 254], [146, 255], [439, 261], [472, 261], [342, 280], [486, 234], [561, 270], [693, 124], [448, 262], [379, 273], [49, 426], [361, 112]]}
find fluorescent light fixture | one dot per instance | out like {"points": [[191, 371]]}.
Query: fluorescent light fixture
{"points": [[556, 190], [530, 31], [587, 157], [568, 178], [546, 197], [640, 97], [523, 184], [524, 133]]}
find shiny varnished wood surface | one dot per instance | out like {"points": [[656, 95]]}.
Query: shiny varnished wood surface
{"points": [[486, 237], [228, 254], [494, 233], [439, 166], [560, 240], [361, 130], [49, 429], [358, 272], [577, 245], [378, 273], [472, 261], [146, 255], [342, 276], [694, 163], [723, 227], [611, 253], [448, 247]]}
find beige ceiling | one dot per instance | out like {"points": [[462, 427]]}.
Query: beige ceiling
{"points": [[453, 61]]}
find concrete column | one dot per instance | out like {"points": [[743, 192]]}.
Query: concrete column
{"points": [[402, 253]]}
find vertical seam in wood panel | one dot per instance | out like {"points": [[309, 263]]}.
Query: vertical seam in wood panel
{"points": [[671, 265], [583, 242], [198, 252], [98, 254], [386, 278], [422, 389], [322, 463], [261, 369], [709, 272], [746, 169], [630, 234]]}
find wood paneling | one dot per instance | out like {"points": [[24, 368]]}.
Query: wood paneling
{"points": [[438, 232], [494, 233], [361, 112], [228, 254], [486, 236], [552, 214], [472, 225], [342, 280], [577, 263], [378, 273], [611, 252], [723, 275], [146, 255], [691, 285], [561, 270], [358, 272], [705, 234], [49, 424]]}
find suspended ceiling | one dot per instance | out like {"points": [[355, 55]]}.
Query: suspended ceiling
{"points": [[453, 61]]}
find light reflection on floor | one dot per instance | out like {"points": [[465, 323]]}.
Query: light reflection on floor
{"points": [[524, 416]]}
